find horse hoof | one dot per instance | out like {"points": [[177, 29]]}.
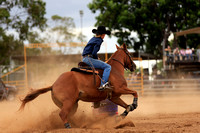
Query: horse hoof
{"points": [[119, 118], [122, 116], [67, 125]]}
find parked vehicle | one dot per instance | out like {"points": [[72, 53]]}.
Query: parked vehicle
{"points": [[7, 92]]}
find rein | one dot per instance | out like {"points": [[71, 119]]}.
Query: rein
{"points": [[117, 61], [126, 59]]}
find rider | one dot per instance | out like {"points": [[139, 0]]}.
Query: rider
{"points": [[90, 54]]}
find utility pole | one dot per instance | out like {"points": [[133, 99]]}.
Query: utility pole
{"points": [[81, 15]]}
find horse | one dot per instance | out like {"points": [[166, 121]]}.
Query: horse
{"points": [[72, 86]]}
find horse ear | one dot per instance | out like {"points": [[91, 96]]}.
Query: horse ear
{"points": [[117, 46], [124, 46]]}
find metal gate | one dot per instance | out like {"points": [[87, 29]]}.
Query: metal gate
{"points": [[135, 80], [15, 77]]}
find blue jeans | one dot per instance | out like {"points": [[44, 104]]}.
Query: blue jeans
{"points": [[189, 55], [100, 65]]}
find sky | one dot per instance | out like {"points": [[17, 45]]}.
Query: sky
{"points": [[71, 8]]}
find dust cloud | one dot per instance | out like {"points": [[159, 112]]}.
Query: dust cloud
{"points": [[42, 115]]}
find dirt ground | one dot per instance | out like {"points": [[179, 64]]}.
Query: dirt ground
{"points": [[156, 113]]}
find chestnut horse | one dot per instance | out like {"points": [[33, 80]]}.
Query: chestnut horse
{"points": [[73, 86]]}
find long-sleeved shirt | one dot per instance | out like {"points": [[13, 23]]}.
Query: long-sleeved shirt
{"points": [[93, 47]]}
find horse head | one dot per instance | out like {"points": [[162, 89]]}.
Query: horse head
{"points": [[128, 63]]}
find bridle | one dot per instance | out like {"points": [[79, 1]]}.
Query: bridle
{"points": [[117, 61], [126, 59]]}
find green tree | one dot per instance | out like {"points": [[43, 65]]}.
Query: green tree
{"points": [[9, 46], [81, 37], [152, 20], [17, 18], [63, 27], [59, 30]]}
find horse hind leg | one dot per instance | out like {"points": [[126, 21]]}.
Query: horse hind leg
{"points": [[74, 109], [65, 111]]}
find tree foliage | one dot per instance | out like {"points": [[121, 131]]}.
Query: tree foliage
{"points": [[8, 46], [17, 18], [63, 27], [60, 31], [152, 20]]}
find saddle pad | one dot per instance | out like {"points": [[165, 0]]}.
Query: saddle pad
{"points": [[83, 70]]}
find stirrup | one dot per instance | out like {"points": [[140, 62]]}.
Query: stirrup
{"points": [[104, 86]]}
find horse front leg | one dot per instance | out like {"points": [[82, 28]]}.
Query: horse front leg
{"points": [[130, 107], [120, 102]]}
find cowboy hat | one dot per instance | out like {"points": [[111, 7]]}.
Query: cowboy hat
{"points": [[101, 30]]}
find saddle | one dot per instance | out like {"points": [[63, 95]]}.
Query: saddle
{"points": [[85, 68]]}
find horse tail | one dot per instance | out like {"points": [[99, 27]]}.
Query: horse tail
{"points": [[32, 95]]}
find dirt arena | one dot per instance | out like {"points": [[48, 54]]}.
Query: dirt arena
{"points": [[174, 113]]}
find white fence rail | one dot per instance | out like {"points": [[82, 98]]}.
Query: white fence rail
{"points": [[192, 83], [167, 86]]}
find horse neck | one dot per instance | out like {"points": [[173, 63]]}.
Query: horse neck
{"points": [[115, 65]]}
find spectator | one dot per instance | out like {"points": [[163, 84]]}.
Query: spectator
{"points": [[193, 54], [169, 53], [188, 53], [182, 53], [176, 53], [193, 51], [198, 53]]}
